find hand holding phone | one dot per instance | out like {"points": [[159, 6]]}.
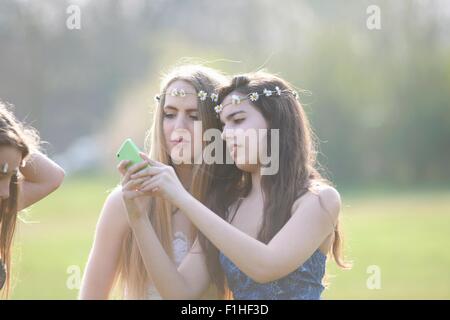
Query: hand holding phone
{"points": [[129, 151]]}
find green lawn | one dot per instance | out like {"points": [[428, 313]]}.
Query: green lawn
{"points": [[404, 234]]}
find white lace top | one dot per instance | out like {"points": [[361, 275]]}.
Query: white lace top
{"points": [[180, 249]]}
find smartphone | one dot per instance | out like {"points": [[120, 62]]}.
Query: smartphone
{"points": [[129, 151]]}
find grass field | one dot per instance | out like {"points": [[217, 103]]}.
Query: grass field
{"points": [[405, 234]]}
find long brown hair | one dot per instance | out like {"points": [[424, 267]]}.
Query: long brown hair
{"points": [[132, 273], [296, 175], [25, 140]]}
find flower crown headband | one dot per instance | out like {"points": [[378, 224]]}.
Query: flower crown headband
{"points": [[254, 96], [235, 99], [202, 95]]}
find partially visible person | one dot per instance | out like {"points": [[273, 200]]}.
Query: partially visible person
{"points": [[26, 176]]}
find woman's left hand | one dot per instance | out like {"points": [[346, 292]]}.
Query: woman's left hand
{"points": [[160, 180]]}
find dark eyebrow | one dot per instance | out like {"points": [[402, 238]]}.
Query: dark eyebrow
{"points": [[187, 110], [228, 117]]}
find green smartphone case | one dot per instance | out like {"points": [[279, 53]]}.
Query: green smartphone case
{"points": [[129, 151]]}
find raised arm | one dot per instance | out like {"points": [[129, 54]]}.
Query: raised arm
{"points": [[313, 219], [186, 282], [102, 264], [311, 223], [40, 177], [190, 279]]}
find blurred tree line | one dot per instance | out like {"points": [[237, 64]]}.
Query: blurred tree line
{"points": [[378, 99]]}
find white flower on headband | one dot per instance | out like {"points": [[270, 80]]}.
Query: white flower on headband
{"points": [[278, 90], [267, 93], [254, 96], [295, 95], [214, 97], [174, 92], [235, 99], [218, 108], [202, 95], [182, 93]]}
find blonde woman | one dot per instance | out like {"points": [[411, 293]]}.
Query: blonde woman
{"points": [[115, 257], [26, 176]]}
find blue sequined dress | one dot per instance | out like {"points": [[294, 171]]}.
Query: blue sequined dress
{"points": [[303, 283]]}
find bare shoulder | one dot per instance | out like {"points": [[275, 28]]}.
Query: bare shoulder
{"points": [[326, 196], [330, 199], [115, 197], [114, 210]]}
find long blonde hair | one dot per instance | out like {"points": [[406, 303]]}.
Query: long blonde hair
{"points": [[132, 274]]}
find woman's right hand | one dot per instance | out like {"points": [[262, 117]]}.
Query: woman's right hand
{"points": [[136, 202]]}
